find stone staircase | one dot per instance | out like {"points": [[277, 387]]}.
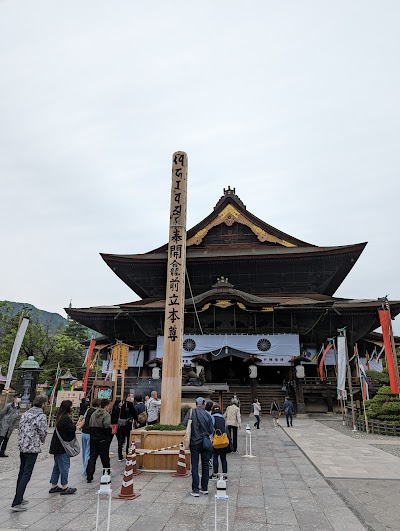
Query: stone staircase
{"points": [[265, 394]]}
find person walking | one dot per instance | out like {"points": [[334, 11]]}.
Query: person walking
{"points": [[274, 410], [84, 426], [141, 411], [100, 438], [127, 418], [288, 410], [233, 421], [64, 431], [257, 412], [8, 417], [219, 424], [200, 445], [32, 433], [153, 408]]}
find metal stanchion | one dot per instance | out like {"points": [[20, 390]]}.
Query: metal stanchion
{"points": [[248, 442], [105, 490], [223, 497]]}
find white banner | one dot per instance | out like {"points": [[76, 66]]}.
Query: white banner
{"points": [[15, 351], [342, 364], [275, 349]]}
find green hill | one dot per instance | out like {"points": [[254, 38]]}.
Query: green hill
{"points": [[51, 321]]}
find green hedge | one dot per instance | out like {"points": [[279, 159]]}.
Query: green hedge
{"points": [[166, 427], [384, 406], [379, 377]]}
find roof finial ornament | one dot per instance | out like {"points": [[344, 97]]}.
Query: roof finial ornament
{"points": [[229, 191]]}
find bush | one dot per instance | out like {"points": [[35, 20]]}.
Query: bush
{"points": [[165, 427], [384, 406], [385, 390], [379, 377]]}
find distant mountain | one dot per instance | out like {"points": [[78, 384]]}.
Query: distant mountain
{"points": [[52, 321]]}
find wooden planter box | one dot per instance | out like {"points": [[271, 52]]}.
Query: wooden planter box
{"points": [[166, 460]]}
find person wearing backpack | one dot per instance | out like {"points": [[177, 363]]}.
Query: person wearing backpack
{"points": [[219, 428], [288, 410], [275, 410], [83, 424]]}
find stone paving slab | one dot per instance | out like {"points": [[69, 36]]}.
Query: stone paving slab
{"points": [[278, 490], [339, 456]]}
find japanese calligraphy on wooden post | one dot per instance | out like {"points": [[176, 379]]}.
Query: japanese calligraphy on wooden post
{"points": [[171, 385], [120, 356]]}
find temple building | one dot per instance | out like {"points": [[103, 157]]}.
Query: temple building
{"points": [[255, 296]]}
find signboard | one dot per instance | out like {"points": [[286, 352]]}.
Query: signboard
{"points": [[120, 357], [74, 396]]}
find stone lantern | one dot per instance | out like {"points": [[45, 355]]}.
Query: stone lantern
{"points": [[28, 368], [67, 379]]}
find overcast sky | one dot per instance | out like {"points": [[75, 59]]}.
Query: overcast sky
{"points": [[296, 104]]}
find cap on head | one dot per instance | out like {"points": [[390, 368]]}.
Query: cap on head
{"points": [[200, 401]]}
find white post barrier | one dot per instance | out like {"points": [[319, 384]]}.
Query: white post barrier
{"points": [[105, 490], [248, 442], [223, 497]]}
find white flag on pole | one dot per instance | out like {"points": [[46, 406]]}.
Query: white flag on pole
{"points": [[15, 351], [342, 365]]}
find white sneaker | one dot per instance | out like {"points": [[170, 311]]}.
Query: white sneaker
{"points": [[18, 508], [195, 494], [204, 491]]}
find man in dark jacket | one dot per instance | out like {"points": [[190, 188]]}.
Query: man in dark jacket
{"points": [[288, 410], [100, 438], [200, 445]]}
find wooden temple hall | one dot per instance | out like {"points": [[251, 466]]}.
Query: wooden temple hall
{"points": [[255, 296]]}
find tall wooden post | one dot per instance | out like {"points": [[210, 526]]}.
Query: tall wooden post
{"points": [[171, 385]]}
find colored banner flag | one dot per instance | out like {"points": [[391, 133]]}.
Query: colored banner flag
{"points": [[15, 351], [321, 362], [88, 360], [386, 324], [317, 354], [342, 366]]}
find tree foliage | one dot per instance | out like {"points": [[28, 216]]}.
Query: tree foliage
{"points": [[48, 347]]}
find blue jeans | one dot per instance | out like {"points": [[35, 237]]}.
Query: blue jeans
{"points": [[61, 468], [85, 450], [27, 462], [197, 450]]}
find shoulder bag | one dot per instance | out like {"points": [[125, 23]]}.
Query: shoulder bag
{"points": [[220, 440], [72, 448], [188, 434]]}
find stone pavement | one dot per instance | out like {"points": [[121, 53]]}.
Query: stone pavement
{"points": [[367, 477], [279, 490]]}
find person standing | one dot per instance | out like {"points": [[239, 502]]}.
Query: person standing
{"points": [[200, 445], [141, 411], [275, 411], [84, 405], [233, 421], [288, 410], [86, 433], [257, 412], [127, 417], [32, 433], [64, 431], [153, 408], [8, 417], [100, 438], [219, 424]]}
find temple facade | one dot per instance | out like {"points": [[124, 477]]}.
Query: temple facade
{"points": [[255, 297]]}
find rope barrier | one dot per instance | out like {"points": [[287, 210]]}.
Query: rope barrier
{"points": [[145, 452]]}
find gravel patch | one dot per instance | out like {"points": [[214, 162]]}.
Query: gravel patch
{"points": [[337, 425], [12, 461], [390, 449]]}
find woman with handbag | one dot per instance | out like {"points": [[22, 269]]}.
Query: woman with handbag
{"points": [[83, 424], [221, 442], [64, 432], [127, 417]]}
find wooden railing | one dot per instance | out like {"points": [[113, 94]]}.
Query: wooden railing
{"points": [[374, 426]]}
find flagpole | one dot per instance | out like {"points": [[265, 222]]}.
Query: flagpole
{"points": [[54, 391], [341, 403], [342, 331], [362, 383]]}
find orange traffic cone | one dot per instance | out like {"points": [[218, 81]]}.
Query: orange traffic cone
{"points": [[132, 454], [127, 492], [181, 466]]}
